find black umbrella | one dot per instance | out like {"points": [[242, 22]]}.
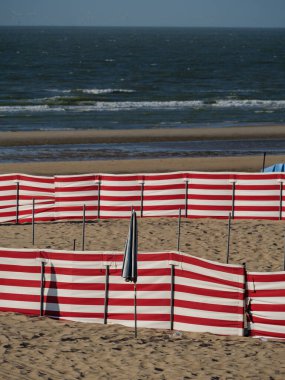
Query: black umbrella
{"points": [[129, 268]]}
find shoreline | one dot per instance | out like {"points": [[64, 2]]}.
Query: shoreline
{"points": [[154, 165], [94, 136]]}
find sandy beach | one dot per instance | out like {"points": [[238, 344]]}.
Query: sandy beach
{"points": [[42, 348]]}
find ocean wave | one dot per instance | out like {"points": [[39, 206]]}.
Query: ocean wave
{"points": [[94, 91], [78, 105], [249, 103], [97, 91]]}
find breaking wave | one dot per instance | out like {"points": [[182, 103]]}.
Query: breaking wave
{"points": [[83, 105]]}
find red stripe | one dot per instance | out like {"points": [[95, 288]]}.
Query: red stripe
{"points": [[84, 286], [208, 307], [23, 177], [121, 178], [84, 300], [206, 264], [260, 187], [212, 207], [210, 187], [121, 188], [208, 292], [208, 322], [200, 277], [269, 334], [78, 178], [266, 293], [268, 307], [259, 277], [140, 317], [268, 321]]}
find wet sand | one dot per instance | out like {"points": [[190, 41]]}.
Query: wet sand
{"points": [[140, 135], [237, 164]]}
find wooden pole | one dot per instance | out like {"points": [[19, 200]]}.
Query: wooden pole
{"points": [[229, 238], [172, 296], [33, 222], [42, 288], [83, 228], [186, 198], [99, 199], [284, 261], [135, 305], [178, 230], [142, 194], [74, 244], [106, 293], [281, 200], [245, 306], [233, 199], [263, 164], [17, 201]]}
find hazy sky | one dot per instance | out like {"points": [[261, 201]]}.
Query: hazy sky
{"points": [[226, 13]]}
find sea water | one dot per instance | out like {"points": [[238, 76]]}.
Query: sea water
{"points": [[127, 78]]}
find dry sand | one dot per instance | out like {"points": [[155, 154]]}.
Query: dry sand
{"points": [[41, 348]]}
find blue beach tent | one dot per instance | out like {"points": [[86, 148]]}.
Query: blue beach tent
{"points": [[275, 168]]}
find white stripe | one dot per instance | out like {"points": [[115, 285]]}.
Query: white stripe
{"points": [[220, 316]]}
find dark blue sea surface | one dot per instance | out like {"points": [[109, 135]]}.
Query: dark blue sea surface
{"points": [[118, 78]]}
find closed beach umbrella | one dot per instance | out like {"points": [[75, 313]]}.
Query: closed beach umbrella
{"points": [[129, 268]]}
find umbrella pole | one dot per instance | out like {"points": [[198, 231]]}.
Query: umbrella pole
{"points": [[135, 304]]}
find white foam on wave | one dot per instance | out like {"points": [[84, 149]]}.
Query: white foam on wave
{"points": [[38, 108], [96, 91], [148, 105], [249, 103]]}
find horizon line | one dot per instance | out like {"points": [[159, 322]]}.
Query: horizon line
{"points": [[142, 26]]}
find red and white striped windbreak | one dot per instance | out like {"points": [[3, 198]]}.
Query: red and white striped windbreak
{"points": [[208, 296], [266, 304], [198, 195]]}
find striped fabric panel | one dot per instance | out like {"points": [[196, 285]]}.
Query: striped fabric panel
{"points": [[258, 196], [119, 194], [41, 189], [208, 296], [164, 194], [8, 191], [72, 193], [209, 195], [266, 304]]}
